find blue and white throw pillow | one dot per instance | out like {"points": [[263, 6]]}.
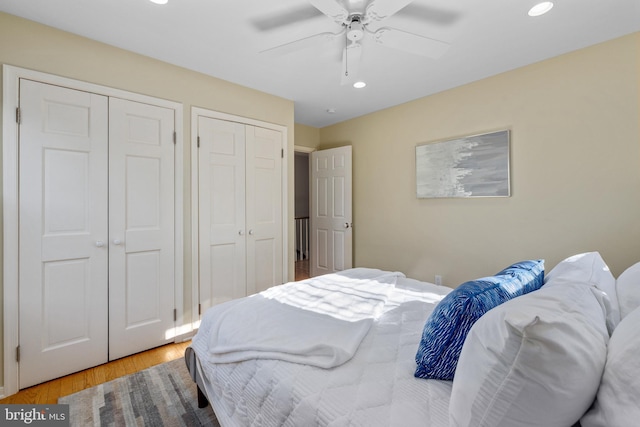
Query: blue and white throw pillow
{"points": [[450, 322]]}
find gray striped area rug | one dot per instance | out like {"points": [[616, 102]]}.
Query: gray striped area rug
{"points": [[163, 395]]}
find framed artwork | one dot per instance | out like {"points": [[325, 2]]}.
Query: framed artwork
{"points": [[471, 166]]}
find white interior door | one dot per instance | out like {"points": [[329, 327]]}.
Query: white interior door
{"points": [[264, 208], [331, 212], [141, 226], [63, 252], [221, 212]]}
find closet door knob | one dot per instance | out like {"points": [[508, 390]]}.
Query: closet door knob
{"points": [[240, 232], [251, 232], [117, 242], [99, 243]]}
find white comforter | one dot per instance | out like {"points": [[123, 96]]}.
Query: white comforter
{"points": [[374, 388], [319, 322]]}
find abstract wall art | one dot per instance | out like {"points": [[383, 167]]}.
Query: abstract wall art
{"points": [[471, 166]]}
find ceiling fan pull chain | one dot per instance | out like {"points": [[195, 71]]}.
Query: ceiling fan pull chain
{"points": [[346, 56]]}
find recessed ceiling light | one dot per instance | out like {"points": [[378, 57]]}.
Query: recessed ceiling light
{"points": [[159, 1], [359, 85], [331, 110], [540, 8]]}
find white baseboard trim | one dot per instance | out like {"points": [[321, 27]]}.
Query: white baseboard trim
{"points": [[185, 337]]}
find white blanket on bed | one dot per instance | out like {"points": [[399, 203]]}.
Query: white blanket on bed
{"points": [[319, 322]]}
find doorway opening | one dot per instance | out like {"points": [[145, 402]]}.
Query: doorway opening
{"points": [[301, 214]]}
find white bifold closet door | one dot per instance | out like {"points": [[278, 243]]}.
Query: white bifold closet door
{"points": [[96, 230], [240, 210], [221, 184], [141, 226], [63, 231]]}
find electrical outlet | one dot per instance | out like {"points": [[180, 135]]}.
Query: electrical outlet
{"points": [[438, 280]]}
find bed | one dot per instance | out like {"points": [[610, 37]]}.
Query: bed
{"points": [[379, 366]]}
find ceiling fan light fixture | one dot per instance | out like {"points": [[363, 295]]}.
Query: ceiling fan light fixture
{"points": [[541, 8], [359, 85], [159, 1]]}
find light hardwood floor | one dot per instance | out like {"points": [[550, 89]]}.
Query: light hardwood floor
{"points": [[49, 392], [302, 269]]}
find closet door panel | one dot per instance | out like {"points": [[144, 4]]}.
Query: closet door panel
{"points": [[264, 208], [141, 226], [63, 229], [222, 232]]}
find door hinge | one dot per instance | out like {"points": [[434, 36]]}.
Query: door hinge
{"points": [[18, 354], [175, 137], [199, 309], [175, 314], [282, 153], [198, 141], [18, 116]]}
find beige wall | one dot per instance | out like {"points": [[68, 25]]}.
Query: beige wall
{"points": [[575, 170], [307, 136], [30, 45]]}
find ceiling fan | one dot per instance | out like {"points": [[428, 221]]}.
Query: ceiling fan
{"points": [[355, 26]]}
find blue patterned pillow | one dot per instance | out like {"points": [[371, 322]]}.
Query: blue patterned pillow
{"points": [[447, 327]]}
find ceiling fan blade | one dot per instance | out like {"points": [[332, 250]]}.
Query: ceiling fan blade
{"points": [[332, 9], [378, 10], [282, 19], [431, 15], [311, 42], [410, 43], [351, 56]]}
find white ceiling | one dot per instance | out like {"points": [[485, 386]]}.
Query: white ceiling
{"points": [[223, 38]]}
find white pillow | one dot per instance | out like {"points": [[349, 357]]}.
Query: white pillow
{"points": [[535, 360], [628, 289], [589, 268], [617, 403]]}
